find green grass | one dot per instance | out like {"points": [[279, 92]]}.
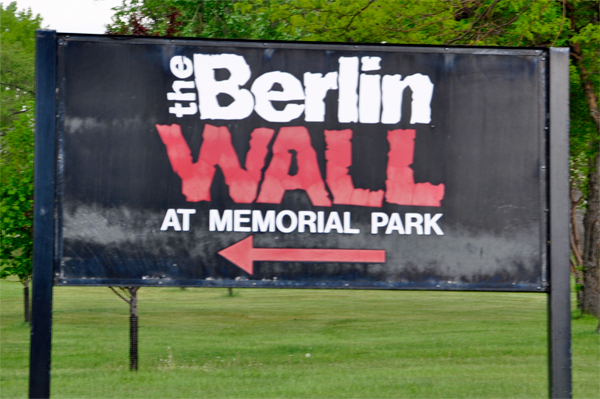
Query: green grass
{"points": [[198, 343]]}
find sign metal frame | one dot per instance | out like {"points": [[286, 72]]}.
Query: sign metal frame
{"points": [[47, 209]]}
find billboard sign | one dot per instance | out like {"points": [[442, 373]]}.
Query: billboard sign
{"points": [[223, 163]]}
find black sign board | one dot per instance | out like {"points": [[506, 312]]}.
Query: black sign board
{"points": [[217, 163], [183, 162]]}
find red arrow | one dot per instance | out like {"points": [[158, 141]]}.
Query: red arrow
{"points": [[243, 254]]}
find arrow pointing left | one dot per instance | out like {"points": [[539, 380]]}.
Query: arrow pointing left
{"points": [[243, 254]]}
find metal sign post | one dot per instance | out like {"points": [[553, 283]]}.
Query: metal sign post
{"points": [[217, 163], [44, 207], [559, 296]]}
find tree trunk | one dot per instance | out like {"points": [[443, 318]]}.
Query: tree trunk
{"points": [[129, 295], [576, 233], [590, 302], [133, 330], [590, 293], [27, 307]]}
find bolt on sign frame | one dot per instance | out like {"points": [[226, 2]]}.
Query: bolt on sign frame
{"points": [[217, 163]]}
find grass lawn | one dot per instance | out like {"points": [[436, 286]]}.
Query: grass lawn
{"points": [[198, 343]]}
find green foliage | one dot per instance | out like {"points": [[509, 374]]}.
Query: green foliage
{"points": [[584, 139], [584, 135], [16, 194], [477, 22], [17, 51], [209, 18]]}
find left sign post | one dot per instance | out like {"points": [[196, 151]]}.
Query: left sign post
{"points": [[44, 219]]}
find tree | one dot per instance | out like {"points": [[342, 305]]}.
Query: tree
{"points": [[16, 223], [129, 295], [17, 52], [190, 18], [585, 47]]}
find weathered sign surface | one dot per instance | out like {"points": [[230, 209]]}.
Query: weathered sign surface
{"points": [[220, 163]]}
